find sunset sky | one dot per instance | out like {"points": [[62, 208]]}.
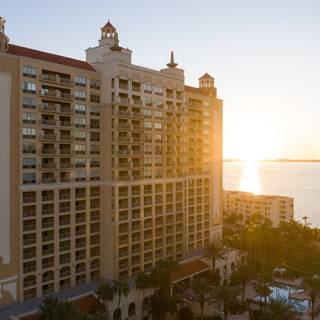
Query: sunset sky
{"points": [[264, 56]]}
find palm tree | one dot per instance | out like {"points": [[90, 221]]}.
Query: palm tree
{"points": [[201, 287], [262, 288], [143, 282], [226, 296], [50, 309], [213, 251], [312, 285], [53, 309], [121, 288], [280, 309], [105, 293], [241, 277]]}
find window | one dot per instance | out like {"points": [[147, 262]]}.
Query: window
{"points": [[148, 149], [95, 84], [80, 148], [158, 114], [147, 87], [80, 108], [94, 124], [29, 132], [29, 148], [148, 161], [147, 113], [80, 135], [29, 87], [80, 95], [29, 178], [158, 90], [158, 137], [29, 163], [158, 102], [94, 98], [80, 122], [30, 72], [148, 101], [80, 81], [158, 126], [148, 125], [148, 173], [80, 175], [80, 163], [29, 102], [28, 117], [95, 149], [94, 175], [148, 137]]}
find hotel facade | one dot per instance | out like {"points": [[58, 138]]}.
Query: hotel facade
{"points": [[253, 207], [106, 167]]}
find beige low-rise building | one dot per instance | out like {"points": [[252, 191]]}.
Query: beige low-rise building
{"points": [[252, 207], [106, 167]]}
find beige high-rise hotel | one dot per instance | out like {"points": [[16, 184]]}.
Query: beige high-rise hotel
{"points": [[106, 167]]}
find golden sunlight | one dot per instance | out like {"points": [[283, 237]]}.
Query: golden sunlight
{"points": [[250, 178]]}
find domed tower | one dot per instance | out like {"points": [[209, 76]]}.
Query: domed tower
{"points": [[206, 84], [4, 40]]}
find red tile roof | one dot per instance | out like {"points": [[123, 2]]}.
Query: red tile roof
{"points": [[188, 269], [41, 55]]}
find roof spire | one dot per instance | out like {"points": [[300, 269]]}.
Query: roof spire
{"points": [[4, 40], [172, 64]]}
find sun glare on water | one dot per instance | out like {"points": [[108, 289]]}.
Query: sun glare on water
{"points": [[250, 178]]}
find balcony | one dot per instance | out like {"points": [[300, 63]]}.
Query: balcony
{"points": [[56, 95], [48, 180], [48, 166], [55, 79]]}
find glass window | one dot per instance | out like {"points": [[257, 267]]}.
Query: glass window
{"points": [[95, 84], [80, 95], [28, 117], [80, 148], [80, 122], [29, 71], [158, 102], [158, 90], [29, 102], [148, 124], [80, 135], [158, 125], [29, 178], [158, 137], [80, 81], [29, 163], [147, 113], [28, 132], [148, 173], [80, 108], [147, 87], [148, 101], [80, 162], [158, 114], [29, 148], [29, 87]]}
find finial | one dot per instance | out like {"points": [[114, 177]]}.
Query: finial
{"points": [[172, 64], [2, 24]]}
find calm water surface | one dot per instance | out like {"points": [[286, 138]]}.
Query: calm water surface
{"points": [[298, 180]]}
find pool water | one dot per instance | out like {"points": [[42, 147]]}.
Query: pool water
{"points": [[283, 291]]}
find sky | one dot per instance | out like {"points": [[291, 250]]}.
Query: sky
{"points": [[263, 54]]}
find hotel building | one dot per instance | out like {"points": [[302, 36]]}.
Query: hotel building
{"points": [[249, 206], [106, 167]]}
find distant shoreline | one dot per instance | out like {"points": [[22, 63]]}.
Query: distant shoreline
{"points": [[276, 160]]}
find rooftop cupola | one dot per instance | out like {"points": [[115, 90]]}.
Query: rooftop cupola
{"points": [[206, 84], [109, 35], [206, 81], [4, 40]]}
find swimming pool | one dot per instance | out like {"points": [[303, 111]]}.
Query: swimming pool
{"points": [[283, 291]]}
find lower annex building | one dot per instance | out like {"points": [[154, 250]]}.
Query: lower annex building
{"points": [[106, 167]]}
